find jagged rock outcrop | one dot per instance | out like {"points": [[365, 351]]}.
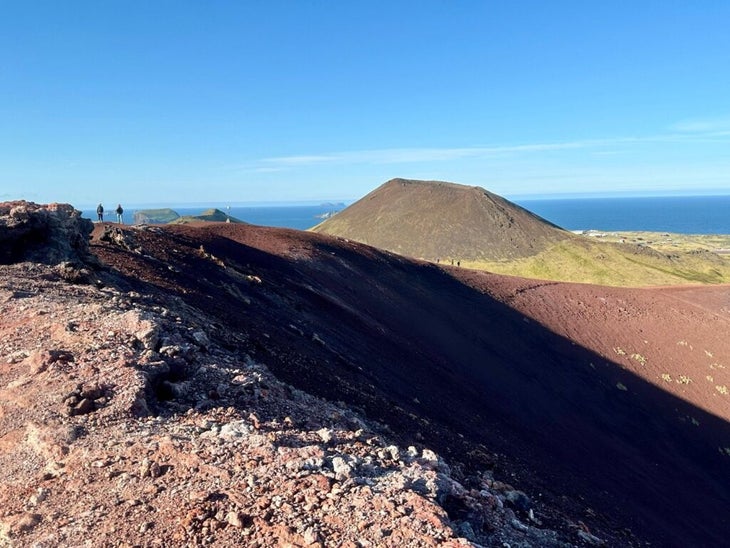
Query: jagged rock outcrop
{"points": [[48, 234]]}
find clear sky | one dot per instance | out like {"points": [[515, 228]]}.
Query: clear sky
{"points": [[157, 101]]}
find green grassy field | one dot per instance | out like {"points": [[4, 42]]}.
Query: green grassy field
{"points": [[625, 259]]}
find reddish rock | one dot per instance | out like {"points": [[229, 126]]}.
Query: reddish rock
{"points": [[412, 331]]}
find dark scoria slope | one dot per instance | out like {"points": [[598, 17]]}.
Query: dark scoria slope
{"points": [[434, 219], [440, 360]]}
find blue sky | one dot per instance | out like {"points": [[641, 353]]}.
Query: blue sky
{"points": [[173, 102]]}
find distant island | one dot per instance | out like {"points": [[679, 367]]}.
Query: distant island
{"points": [[332, 209], [169, 216]]}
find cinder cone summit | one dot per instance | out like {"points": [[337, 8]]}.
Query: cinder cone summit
{"points": [[435, 219]]}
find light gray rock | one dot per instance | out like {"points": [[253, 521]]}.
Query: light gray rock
{"points": [[236, 429], [341, 468], [325, 434]]}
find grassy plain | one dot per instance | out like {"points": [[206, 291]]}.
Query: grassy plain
{"points": [[625, 259]]}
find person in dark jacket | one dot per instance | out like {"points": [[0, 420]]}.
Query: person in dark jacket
{"points": [[100, 212], [120, 212]]}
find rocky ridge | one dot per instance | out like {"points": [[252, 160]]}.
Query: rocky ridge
{"points": [[53, 234], [125, 422]]}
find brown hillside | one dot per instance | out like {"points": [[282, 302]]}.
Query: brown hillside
{"points": [[141, 406], [439, 220], [597, 401]]}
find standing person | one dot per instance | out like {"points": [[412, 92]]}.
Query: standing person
{"points": [[120, 212], [100, 212]]}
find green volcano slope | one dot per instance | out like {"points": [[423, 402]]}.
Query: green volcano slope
{"points": [[474, 228], [437, 220]]}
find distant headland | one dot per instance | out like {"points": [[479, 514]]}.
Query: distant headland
{"points": [[170, 216]]}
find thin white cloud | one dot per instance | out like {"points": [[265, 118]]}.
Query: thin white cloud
{"points": [[719, 125], [412, 155], [697, 131], [300, 160], [269, 169]]}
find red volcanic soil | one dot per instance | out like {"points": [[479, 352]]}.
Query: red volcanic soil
{"points": [[606, 405]]}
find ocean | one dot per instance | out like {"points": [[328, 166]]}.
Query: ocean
{"points": [[680, 214]]}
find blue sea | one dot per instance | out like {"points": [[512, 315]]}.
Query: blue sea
{"points": [[680, 214]]}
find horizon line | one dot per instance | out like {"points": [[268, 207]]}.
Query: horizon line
{"points": [[223, 204]]}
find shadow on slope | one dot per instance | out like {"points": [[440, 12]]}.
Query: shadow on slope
{"points": [[442, 363]]}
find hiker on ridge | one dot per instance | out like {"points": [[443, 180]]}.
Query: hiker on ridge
{"points": [[100, 212], [120, 212]]}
